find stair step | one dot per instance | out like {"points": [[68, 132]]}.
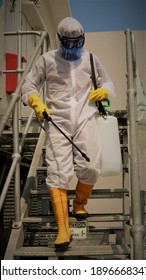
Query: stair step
{"points": [[92, 218], [76, 248], [95, 236], [99, 193]]}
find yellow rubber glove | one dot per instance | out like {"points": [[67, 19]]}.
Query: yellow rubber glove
{"points": [[98, 94], [37, 104]]}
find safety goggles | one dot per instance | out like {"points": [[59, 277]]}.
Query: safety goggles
{"points": [[70, 43]]}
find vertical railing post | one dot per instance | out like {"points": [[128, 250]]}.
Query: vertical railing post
{"points": [[137, 229], [16, 130], [16, 155], [19, 50]]}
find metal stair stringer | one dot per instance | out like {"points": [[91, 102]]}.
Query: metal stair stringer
{"points": [[17, 234]]}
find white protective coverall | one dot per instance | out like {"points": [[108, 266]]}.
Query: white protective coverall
{"points": [[67, 88]]}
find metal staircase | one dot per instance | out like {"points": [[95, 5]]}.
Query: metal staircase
{"points": [[34, 237]]}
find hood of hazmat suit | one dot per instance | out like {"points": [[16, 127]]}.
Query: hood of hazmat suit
{"points": [[71, 37]]}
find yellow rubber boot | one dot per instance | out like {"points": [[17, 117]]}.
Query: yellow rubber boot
{"points": [[82, 192], [60, 208]]}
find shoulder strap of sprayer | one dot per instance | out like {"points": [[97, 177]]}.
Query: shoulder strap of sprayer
{"points": [[93, 77]]}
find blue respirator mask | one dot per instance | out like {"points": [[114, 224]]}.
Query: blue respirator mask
{"points": [[71, 48]]}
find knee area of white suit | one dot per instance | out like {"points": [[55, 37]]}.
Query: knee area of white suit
{"points": [[59, 184], [88, 176]]}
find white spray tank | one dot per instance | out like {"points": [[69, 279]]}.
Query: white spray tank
{"points": [[111, 161]]}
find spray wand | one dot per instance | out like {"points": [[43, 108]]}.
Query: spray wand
{"points": [[49, 119]]}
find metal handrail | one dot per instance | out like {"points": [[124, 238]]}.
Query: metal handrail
{"points": [[13, 108], [137, 228], [15, 96]]}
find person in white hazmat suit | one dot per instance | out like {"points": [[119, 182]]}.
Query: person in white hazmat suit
{"points": [[70, 101]]}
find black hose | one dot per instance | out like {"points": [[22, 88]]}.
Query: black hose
{"points": [[98, 103]]}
